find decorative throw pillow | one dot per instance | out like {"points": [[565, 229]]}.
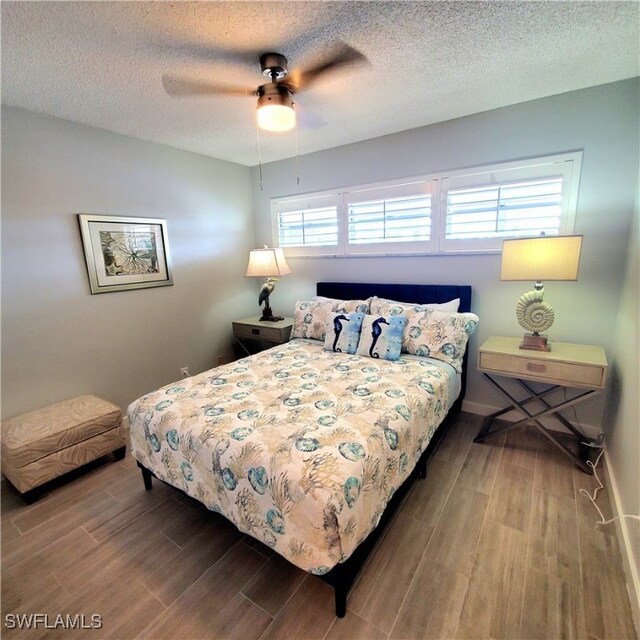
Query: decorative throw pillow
{"points": [[347, 306], [438, 334], [343, 332], [381, 337], [391, 307], [310, 318]]}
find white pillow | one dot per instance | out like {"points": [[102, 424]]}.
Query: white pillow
{"points": [[391, 307]]}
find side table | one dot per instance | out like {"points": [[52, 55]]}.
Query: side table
{"points": [[570, 366], [253, 331]]}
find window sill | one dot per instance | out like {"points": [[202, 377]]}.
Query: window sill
{"points": [[440, 254]]}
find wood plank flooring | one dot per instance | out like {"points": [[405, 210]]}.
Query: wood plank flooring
{"points": [[496, 543]]}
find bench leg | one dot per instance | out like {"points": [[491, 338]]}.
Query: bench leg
{"points": [[120, 453], [31, 496], [146, 477]]}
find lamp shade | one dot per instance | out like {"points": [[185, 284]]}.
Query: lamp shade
{"points": [[541, 258], [269, 263]]}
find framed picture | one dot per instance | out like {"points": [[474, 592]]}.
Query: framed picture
{"points": [[125, 253]]}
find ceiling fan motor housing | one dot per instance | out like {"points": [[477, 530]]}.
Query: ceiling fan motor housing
{"points": [[274, 93], [273, 65]]}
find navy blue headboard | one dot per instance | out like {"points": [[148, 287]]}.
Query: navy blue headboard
{"points": [[418, 293]]}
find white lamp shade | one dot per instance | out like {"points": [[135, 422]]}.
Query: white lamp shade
{"points": [[541, 258], [268, 263]]}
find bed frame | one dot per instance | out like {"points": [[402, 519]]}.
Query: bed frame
{"points": [[343, 575]]}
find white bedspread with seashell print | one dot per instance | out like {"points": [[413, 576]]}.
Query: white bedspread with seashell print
{"points": [[299, 447]]}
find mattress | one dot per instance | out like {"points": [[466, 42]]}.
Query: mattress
{"points": [[299, 447]]}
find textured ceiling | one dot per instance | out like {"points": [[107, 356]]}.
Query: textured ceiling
{"points": [[100, 63]]}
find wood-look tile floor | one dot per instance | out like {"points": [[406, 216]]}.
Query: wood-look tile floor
{"points": [[497, 542]]}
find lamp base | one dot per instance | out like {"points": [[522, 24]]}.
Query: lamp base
{"points": [[267, 315], [534, 342]]}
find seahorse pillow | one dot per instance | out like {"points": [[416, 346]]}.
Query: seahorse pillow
{"points": [[310, 318], [439, 334], [381, 337], [343, 332]]}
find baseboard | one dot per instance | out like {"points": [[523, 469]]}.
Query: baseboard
{"points": [[622, 531], [591, 431]]}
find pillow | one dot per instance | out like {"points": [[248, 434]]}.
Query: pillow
{"points": [[347, 306], [391, 307], [310, 318], [438, 334], [343, 332], [381, 337]]}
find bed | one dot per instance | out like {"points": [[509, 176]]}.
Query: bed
{"points": [[308, 450]]}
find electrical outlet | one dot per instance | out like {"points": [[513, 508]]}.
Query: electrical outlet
{"points": [[218, 360], [184, 372]]}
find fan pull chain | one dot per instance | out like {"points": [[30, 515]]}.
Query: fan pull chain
{"points": [[259, 155], [297, 154]]}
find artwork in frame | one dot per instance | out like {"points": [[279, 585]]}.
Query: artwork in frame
{"points": [[125, 253]]}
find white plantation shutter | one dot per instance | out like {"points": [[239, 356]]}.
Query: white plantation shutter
{"points": [[397, 218], [480, 209], [522, 208], [309, 224]]}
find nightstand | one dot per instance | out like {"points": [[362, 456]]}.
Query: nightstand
{"points": [[580, 367], [252, 334]]}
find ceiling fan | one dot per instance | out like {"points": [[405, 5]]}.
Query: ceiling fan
{"points": [[275, 98]]}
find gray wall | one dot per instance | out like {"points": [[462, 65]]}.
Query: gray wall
{"points": [[58, 340], [602, 121]]}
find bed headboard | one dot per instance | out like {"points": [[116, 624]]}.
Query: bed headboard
{"points": [[418, 293]]}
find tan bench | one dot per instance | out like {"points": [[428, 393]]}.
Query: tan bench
{"points": [[46, 443]]}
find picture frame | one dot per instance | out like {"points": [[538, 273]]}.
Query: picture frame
{"points": [[124, 252]]}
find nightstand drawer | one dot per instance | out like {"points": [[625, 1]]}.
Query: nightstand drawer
{"points": [[273, 334], [571, 373]]}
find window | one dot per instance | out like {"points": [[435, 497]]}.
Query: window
{"points": [[462, 211], [392, 219], [308, 223]]}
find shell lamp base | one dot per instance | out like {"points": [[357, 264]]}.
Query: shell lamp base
{"points": [[534, 343]]}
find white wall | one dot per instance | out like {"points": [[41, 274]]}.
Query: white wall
{"points": [[602, 121], [623, 408], [58, 340]]}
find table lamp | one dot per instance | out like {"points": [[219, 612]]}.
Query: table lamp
{"points": [[271, 264], [541, 258]]}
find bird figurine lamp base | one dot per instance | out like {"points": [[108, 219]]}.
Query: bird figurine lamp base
{"points": [[267, 315]]}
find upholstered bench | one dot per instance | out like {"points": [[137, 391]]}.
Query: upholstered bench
{"points": [[46, 443]]}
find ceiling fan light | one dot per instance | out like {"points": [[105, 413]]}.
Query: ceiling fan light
{"points": [[276, 117], [275, 108]]}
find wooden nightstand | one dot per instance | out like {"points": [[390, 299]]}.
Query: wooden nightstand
{"points": [[569, 366], [252, 332]]}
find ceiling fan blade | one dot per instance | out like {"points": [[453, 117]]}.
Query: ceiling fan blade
{"points": [[344, 56], [181, 87]]}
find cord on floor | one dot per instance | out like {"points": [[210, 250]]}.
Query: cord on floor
{"points": [[593, 497]]}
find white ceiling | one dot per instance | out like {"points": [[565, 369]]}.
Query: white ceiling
{"points": [[100, 63]]}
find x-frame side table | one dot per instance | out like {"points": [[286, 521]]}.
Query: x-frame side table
{"points": [[567, 366]]}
